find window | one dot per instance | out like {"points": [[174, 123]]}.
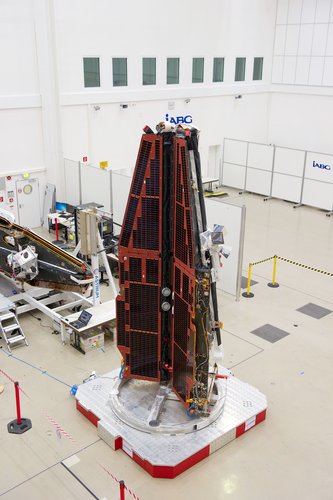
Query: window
{"points": [[197, 69], [119, 69], [257, 68], [240, 69], [149, 71], [218, 69], [172, 70], [91, 72]]}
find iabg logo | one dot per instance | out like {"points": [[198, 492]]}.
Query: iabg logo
{"points": [[322, 166], [178, 119]]}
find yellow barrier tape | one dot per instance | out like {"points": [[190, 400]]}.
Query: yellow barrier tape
{"points": [[261, 261], [304, 266]]}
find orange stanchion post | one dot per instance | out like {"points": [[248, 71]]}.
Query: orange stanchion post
{"points": [[273, 283], [248, 293]]}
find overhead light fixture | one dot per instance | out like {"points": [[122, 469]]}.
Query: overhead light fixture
{"points": [[187, 100]]}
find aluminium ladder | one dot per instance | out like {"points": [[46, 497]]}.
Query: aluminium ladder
{"points": [[10, 328]]}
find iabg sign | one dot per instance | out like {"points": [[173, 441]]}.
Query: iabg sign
{"points": [[176, 120], [322, 166]]}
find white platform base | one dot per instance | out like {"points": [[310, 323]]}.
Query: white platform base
{"points": [[120, 412]]}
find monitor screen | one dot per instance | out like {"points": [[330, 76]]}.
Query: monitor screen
{"points": [[61, 207]]}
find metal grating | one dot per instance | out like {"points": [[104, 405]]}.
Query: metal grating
{"points": [[144, 354], [185, 176], [189, 237], [121, 273], [153, 182], [147, 235], [314, 310], [270, 333], [120, 322], [152, 271], [179, 186], [141, 167], [181, 322], [186, 288], [128, 222], [177, 280], [144, 307], [180, 235], [135, 269]]}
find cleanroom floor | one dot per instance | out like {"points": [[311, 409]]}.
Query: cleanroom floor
{"points": [[288, 456]]}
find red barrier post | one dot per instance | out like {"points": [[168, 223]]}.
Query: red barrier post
{"points": [[19, 425], [122, 490], [56, 229], [18, 406]]}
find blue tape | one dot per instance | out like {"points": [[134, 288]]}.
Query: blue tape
{"points": [[43, 372]]}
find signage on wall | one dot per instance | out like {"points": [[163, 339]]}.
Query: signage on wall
{"points": [[176, 120], [103, 164], [84, 159], [322, 166]]}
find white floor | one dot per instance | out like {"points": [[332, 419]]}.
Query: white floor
{"points": [[288, 456]]}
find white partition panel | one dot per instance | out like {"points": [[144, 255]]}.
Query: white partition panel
{"points": [[287, 187], [258, 181], [235, 151], [96, 186], [260, 156], [289, 161], [232, 217], [288, 174], [259, 168], [72, 182], [234, 175], [121, 184], [318, 181], [319, 167], [318, 194]]}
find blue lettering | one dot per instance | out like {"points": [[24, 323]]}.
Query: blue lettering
{"points": [[178, 119], [322, 166]]}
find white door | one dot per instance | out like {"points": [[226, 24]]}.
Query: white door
{"points": [[28, 203], [214, 160]]}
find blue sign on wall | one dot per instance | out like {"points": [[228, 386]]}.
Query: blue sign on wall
{"points": [[322, 166], [176, 120]]}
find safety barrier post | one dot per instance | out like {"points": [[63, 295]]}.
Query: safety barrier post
{"points": [[19, 425], [122, 490], [248, 294], [273, 283]]}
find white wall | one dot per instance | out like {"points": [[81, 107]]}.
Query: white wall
{"points": [[46, 113], [303, 49], [301, 121], [301, 106], [111, 127]]}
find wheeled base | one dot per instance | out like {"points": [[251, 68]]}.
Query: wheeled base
{"points": [[15, 428], [121, 409]]}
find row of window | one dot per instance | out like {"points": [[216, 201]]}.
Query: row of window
{"points": [[119, 70]]}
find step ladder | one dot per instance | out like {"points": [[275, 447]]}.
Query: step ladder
{"points": [[10, 329]]}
